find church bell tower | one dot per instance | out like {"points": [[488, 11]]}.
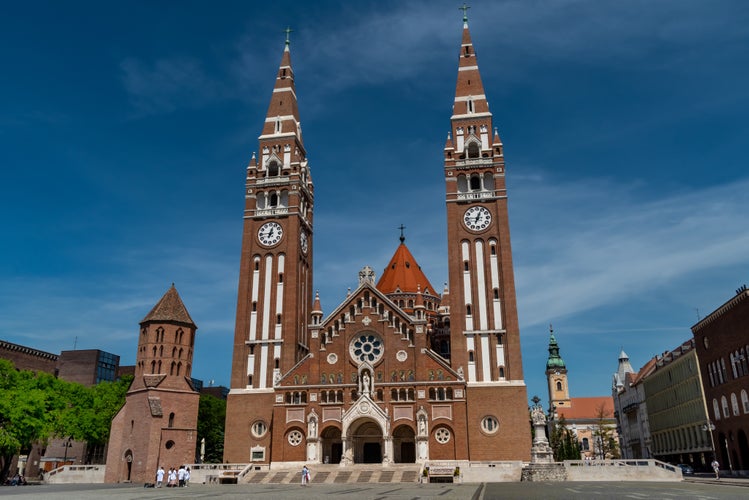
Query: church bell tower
{"points": [[275, 276], [484, 332]]}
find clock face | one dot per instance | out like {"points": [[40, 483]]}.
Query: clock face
{"points": [[270, 233], [304, 241], [477, 218]]}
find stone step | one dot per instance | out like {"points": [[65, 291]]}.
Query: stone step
{"points": [[401, 473]]}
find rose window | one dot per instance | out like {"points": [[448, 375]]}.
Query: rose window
{"points": [[367, 347], [442, 435], [295, 438]]}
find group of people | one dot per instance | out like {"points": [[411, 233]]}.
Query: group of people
{"points": [[174, 477]]}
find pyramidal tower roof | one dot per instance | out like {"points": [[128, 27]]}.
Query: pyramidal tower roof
{"points": [[170, 309], [283, 111], [404, 275], [470, 99]]}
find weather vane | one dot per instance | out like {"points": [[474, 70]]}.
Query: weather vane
{"points": [[402, 227]]}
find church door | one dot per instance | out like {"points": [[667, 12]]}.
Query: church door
{"points": [[372, 453], [408, 453]]}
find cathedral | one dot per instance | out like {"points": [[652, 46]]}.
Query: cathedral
{"points": [[399, 372]]}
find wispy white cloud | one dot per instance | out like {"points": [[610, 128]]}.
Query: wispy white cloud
{"points": [[590, 243]]}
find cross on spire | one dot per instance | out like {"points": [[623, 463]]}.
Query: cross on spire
{"points": [[288, 31], [464, 8], [402, 238]]}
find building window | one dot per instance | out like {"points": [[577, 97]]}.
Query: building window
{"points": [[559, 386], [258, 454], [745, 400], [586, 444], [735, 405], [169, 444], [490, 424], [171, 420], [724, 403], [259, 429], [716, 409]]}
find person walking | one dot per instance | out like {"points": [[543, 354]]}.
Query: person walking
{"points": [[305, 476], [187, 477], [716, 467], [172, 477], [181, 476], [160, 477]]}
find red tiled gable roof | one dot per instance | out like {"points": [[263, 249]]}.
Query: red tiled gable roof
{"points": [[588, 408], [170, 308], [403, 274]]}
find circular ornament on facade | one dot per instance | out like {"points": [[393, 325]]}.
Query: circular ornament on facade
{"points": [[489, 424], [259, 429], [401, 356], [295, 438], [367, 347], [442, 435], [364, 407], [332, 358]]}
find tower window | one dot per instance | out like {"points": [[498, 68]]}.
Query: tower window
{"points": [[278, 319], [471, 358], [280, 277], [465, 265], [496, 294], [559, 386], [468, 309], [473, 152], [470, 105], [254, 306], [171, 420]]}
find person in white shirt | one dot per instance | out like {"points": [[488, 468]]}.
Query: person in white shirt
{"points": [[160, 477]]}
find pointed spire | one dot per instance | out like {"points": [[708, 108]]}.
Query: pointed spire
{"points": [[469, 91], [283, 113], [170, 309], [449, 141], [555, 361], [316, 307]]}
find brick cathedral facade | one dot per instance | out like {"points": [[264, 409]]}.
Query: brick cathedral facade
{"points": [[399, 372]]}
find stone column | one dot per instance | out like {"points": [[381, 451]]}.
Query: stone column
{"points": [[387, 457]]}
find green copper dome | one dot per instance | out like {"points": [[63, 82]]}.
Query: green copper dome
{"points": [[555, 361]]}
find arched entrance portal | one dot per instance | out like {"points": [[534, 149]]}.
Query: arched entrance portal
{"points": [[404, 445], [367, 442], [128, 465], [332, 445]]}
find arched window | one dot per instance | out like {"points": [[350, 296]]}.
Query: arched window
{"points": [[559, 385], [724, 404], [586, 444], [475, 179], [716, 409], [273, 202], [735, 405], [171, 420], [745, 400], [273, 170]]}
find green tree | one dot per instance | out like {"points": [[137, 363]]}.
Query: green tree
{"points": [[211, 420], [564, 442], [89, 411], [37, 406], [30, 405], [603, 434]]}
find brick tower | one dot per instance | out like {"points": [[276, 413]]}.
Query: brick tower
{"points": [[484, 333], [275, 277], [158, 423]]}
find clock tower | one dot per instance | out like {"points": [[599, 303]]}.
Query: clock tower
{"points": [[556, 376], [275, 276], [484, 332]]}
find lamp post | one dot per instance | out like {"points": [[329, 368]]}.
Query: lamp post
{"points": [[710, 427], [67, 445]]}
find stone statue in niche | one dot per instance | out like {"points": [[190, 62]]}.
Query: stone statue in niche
{"points": [[365, 383]]}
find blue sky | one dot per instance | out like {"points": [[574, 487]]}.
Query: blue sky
{"points": [[125, 130]]}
